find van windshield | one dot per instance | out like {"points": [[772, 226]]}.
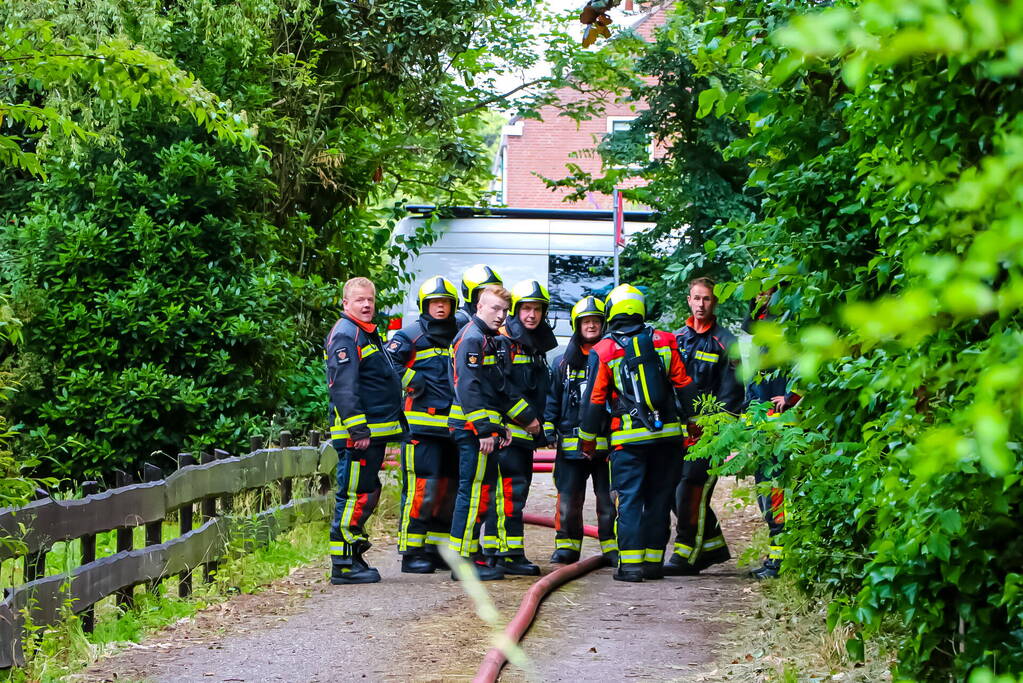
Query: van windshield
{"points": [[571, 278]]}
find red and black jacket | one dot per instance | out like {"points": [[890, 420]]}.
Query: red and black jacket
{"points": [[705, 354], [428, 392]]}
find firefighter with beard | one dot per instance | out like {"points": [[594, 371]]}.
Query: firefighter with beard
{"points": [[704, 345], [528, 338], [637, 371], [365, 410], [474, 280], [429, 463], [561, 426], [771, 386]]}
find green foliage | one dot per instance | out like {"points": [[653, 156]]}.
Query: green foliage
{"points": [[875, 144]]}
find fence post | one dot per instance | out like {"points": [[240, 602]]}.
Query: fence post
{"points": [[154, 530], [227, 500], [286, 482], [184, 526], [255, 443], [88, 548], [35, 563], [125, 596], [209, 511]]}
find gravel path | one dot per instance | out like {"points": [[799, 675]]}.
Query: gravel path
{"points": [[423, 627]]}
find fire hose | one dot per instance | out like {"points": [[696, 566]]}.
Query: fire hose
{"points": [[524, 617]]}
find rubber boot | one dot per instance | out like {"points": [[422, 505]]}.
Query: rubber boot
{"points": [[632, 574], [611, 558], [679, 566], [484, 572], [653, 571], [769, 570], [417, 563], [518, 565], [358, 572], [565, 556]]}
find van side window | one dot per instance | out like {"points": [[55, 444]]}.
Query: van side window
{"points": [[571, 278]]}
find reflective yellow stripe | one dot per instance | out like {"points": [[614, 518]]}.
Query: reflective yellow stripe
{"points": [[407, 377], [474, 505], [338, 548], [367, 350], [653, 555], [517, 409], [490, 360], [376, 429], [631, 556], [522, 360], [409, 451], [349, 510], [624, 436], [775, 552], [416, 417], [569, 543], [572, 444], [548, 426], [709, 357], [433, 538], [714, 543], [432, 353], [608, 545], [512, 543], [586, 436], [642, 376], [354, 421], [683, 550], [490, 543], [517, 431]]}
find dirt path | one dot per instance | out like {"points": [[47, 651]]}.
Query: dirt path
{"points": [[423, 627]]}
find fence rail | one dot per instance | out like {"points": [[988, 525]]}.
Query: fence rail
{"points": [[210, 485]]}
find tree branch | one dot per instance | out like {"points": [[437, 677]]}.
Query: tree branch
{"points": [[498, 98]]}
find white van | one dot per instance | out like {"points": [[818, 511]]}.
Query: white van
{"points": [[559, 247]]}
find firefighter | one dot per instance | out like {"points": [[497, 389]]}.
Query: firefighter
{"points": [[365, 409], [480, 407], [775, 388], [474, 279], [637, 371], [704, 345], [561, 425], [429, 463], [528, 338]]}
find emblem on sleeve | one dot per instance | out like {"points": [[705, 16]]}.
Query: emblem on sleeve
{"points": [[393, 346], [342, 355], [473, 360]]}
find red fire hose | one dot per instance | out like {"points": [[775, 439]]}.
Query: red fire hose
{"points": [[523, 619]]}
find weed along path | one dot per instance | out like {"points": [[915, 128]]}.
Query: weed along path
{"points": [[414, 627]]}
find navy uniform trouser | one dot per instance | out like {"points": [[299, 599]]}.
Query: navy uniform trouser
{"points": [[570, 475], [698, 529], [477, 476], [358, 492], [429, 482], [503, 531], [643, 479], [772, 505]]}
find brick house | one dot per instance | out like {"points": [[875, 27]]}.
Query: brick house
{"points": [[532, 149]]}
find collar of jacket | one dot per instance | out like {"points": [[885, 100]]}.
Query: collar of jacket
{"points": [[483, 326], [541, 339], [369, 328], [627, 324], [441, 332], [577, 351], [703, 329]]}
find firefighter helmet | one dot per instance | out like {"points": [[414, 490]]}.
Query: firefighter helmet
{"points": [[587, 306], [625, 300], [529, 290], [437, 287], [476, 278]]}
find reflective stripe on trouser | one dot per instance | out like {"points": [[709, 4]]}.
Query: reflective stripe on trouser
{"points": [[429, 469], [504, 519], [698, 529], [570, 477], [772, 505], [477, 475], [643, 479], [358, 491]]}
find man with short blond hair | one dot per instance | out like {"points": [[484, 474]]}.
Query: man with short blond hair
{"points": [[365, 414]]}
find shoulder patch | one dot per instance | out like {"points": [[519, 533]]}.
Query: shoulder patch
{"points": [[394, 345], [342, 355], [472, 360]]}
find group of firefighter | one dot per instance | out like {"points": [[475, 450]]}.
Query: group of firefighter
{"points": [[469, 395]]}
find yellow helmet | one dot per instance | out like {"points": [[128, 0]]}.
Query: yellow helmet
{"points": [[529, 290], [437, 287], [587, 306], [625, 300], [476, 278]]}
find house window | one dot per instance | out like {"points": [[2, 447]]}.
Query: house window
{"points": [[624, 148]]}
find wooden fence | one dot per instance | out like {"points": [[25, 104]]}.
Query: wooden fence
{"points": [[209, 485]]}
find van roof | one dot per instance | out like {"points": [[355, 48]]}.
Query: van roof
{"points": [[501, 212]]}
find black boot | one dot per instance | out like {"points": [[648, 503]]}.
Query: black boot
{"points": [[679, 566], [518, 565], [769, 570], [437, 559], [355, 573], [484, 572], [611, 557], [630, 573], [653, 571], [417, 563], [564, 556]]}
